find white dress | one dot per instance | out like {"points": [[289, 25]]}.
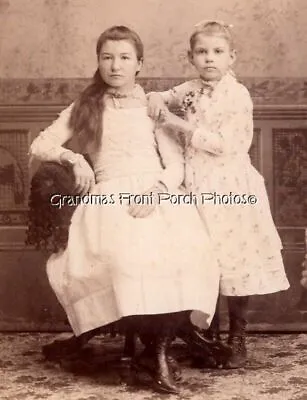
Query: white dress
{"points": [[245, 238], [116, 265]]}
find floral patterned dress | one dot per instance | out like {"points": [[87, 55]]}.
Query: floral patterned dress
{"points": [[232, 198]]}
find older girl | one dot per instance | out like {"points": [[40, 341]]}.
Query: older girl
{"points": [[127, 257]]}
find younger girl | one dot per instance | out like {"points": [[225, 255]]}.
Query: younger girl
{"points": [[218, 131], [126, 257]]}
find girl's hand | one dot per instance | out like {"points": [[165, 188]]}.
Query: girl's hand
{"points": [[155, 106], [166, 117], [150, 202], [84, 177], [83, 173], [141, 210]]}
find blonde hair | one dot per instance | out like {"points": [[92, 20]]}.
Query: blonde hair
{"points": [[212, 28]]}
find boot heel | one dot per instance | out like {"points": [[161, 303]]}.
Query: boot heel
{"points": [[160, 386]]}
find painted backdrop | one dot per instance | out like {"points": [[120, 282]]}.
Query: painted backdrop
{"points": [[56, 38]]}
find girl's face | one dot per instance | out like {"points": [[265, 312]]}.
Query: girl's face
{"points": [[211, 56], [118, 64]]}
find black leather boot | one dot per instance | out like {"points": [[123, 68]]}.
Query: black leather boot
{"points": [[239, 352], [237, 306], [147, 359], [216, 357], [67, 347], [164, 381], [206, 346]]}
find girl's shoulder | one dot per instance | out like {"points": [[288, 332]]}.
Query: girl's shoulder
{"points": [[65, 113], [234, 91], [243, 96], [237, 87]]}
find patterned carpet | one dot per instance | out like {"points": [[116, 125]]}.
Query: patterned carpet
{"points": [[276, 370]]}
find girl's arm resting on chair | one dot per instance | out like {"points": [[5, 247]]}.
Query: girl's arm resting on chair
{"points": [[48, 146]]}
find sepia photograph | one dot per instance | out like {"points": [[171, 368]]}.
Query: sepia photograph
{"points": [[153, 199]]}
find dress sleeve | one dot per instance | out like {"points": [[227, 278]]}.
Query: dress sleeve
{"points": [[172, 158], [48, 146], [232, 132], [173, 97]]}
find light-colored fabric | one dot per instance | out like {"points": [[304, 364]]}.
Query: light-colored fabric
{"points": [[218, 167], [116, 265], [48, 146]]}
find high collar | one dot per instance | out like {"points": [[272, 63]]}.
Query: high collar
{"points": [[135, 92], [217, 85]]}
